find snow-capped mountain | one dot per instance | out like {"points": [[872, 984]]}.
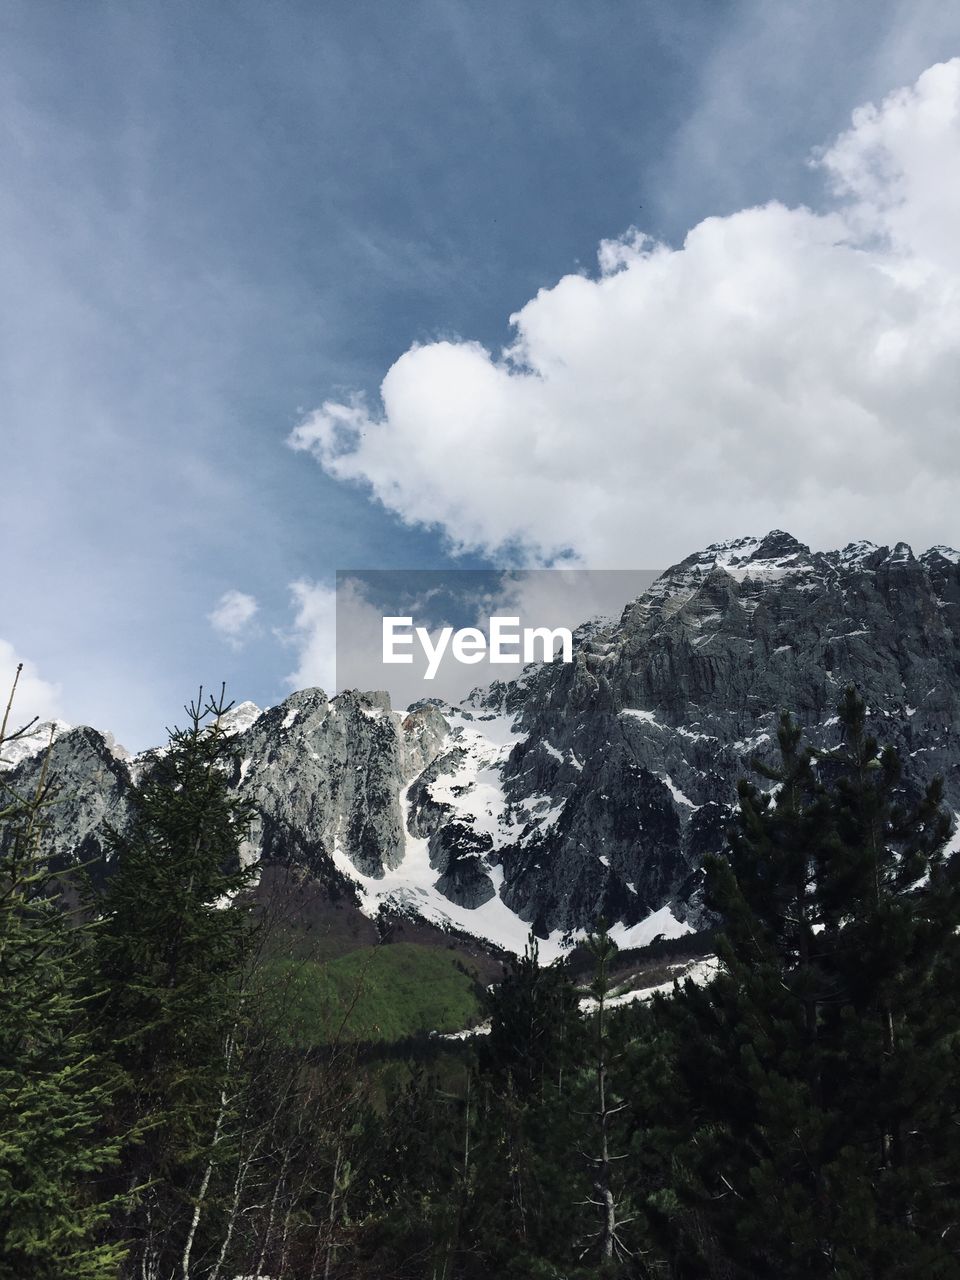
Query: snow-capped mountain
{"points": [[593, 788], [37, 737]]}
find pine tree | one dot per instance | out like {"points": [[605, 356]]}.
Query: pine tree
{"points": [[54, 1089], [819, 1067], [173, 937], [518, 1213], [892, 912], [606, 1242], [534, 1025]]}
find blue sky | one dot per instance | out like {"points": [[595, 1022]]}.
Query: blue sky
{"points": [[218, 218]]}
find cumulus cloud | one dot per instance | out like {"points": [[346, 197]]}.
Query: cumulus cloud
{"points": [[234, 612], [784, 367], [35, 697], [314, 635]]}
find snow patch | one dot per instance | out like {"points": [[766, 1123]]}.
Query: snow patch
{"points": [[38, 738], [239, 718], [675, 791], [699, 971], [658, 924], [947, 553], [646, 716]]}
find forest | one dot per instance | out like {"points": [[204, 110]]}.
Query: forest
{"points": [[165, 1116]]}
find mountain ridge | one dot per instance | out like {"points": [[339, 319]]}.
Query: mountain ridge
{"points": [[589, 789]]}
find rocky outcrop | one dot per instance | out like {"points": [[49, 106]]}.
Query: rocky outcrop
{"points": [[641, 739], [89, 795], [593, 788], [326, 775], [323, 776]]}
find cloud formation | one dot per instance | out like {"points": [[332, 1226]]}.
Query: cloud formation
{"points": [[234, 612], [784, 367], [35, 697], [314, 635]]}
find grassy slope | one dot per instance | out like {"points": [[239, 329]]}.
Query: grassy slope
{"points": [[380, 993]]}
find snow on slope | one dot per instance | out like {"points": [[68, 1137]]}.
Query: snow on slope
{"points": [[239, 718], [410, 887], [474, 792], [658, 924], [699, 972], [37, 739]]}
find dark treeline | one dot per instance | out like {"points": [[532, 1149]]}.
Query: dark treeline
{"points": [[798, 1115]]}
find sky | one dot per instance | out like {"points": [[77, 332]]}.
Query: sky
{"points": [[287, 288]]}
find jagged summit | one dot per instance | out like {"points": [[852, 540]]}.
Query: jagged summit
{"points": [[240, 717], [36, 739], [777, 545], [940, 554], [779, 548], [777, 554], [595, 788]]}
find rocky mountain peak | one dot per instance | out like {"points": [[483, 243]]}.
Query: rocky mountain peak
{"points": [[240, 717], [941, 555], [593, 788], [778, 545], [37, 738]]}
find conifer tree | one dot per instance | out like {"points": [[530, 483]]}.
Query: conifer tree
{"points": [[173, 937], [519, 1189], [534, 1025], [891, 900], [819, 1067], [53, 1088], [606, 1242]]}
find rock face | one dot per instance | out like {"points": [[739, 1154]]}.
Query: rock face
{"points": [[90, 790], [663, 711], [593, 788], [327, 775]]}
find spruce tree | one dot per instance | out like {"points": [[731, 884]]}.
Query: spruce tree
{"points": [[173, 937], [534, 1025], [891, 905], [54, 1089], [606, 1242], [819, 1067], [525, 1209]]}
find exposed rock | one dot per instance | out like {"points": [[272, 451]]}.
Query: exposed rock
{"points": [[593, 788], [89, 794], [687, 688]]}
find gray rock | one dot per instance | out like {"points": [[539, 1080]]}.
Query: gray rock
{"points": [[89, 794], [687, 687], [623, 771]]}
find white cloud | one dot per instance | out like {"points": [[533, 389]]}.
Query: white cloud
{"points": [[35, 697], [785, 367], [900, 165], [233, 614], [314, 635]]}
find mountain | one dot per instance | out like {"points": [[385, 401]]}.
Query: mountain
{"points": [[591, 788]]}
